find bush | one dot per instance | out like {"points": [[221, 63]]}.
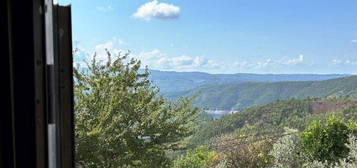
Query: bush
{"points": [[200, 157], [349, 162], [325, 141], [244, 152], [287, 152]]}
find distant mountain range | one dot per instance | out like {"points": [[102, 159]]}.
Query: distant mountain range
{"points": [[170, 81], [238, 96]]}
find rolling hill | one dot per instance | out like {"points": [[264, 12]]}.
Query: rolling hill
{"points": [[239, 96]]}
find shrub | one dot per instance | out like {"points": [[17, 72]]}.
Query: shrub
{"points": [[349, 162], [287, 152], [244, 152], [200, 157], [325, 141]]}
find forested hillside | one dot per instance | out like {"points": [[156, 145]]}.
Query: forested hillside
{"points": [[271, 119], [243, 95]]}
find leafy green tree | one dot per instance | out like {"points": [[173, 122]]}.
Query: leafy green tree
{"points": [[326, 141], [121, 121]]}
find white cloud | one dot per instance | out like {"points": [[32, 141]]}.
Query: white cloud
{"points": [[80, 54], [268, 62], [263, 64], [158, 10], [111, 44], [103, 46], [105, 8], [79, 64], [101, 50], [344, 62], [253, 65], [335, 61], [121, 42], [155, 59], [354, 41], [294, 60], [240, 63]]}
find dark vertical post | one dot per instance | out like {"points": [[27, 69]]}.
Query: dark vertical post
{"points": [[65, 64], [40, 85]]}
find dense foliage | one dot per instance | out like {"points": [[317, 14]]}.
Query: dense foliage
{"points": [[120, 119]]}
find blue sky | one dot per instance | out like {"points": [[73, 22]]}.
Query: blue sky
{"points": [[222, 36]]}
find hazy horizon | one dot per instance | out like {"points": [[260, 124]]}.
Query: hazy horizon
{"points": [[253, 73]]}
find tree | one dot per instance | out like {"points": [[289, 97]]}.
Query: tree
{"points": [[326, 141], [121, 121]]}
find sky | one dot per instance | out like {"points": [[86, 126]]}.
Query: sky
{"points": [[221, 36]]}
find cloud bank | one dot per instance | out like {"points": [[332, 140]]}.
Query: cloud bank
{"points": [[155, 59], [158, 60], [269, 62]]}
